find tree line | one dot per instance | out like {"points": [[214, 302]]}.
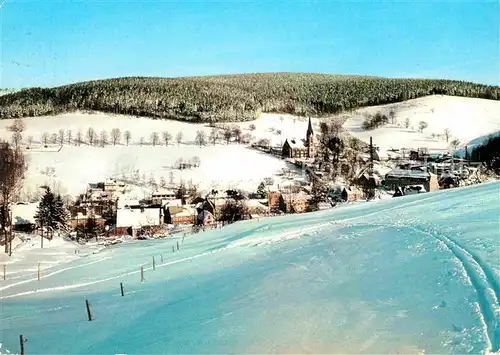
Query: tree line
{"points": [[231, 97], [116, 137]]}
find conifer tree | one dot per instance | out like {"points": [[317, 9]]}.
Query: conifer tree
{"points": [[52, 213], [61, 214], [44, 215]]}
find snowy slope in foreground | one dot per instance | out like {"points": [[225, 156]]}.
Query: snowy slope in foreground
{"points": [[408, 275]]}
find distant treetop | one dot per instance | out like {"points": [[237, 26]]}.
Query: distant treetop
{"points": [[231, 97]]}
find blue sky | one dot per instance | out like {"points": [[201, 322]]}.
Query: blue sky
{"points": [[48, 43]]}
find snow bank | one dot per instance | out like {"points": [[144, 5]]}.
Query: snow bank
{"points": [[407, 275]]}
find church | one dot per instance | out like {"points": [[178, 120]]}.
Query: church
{"points": [[300, 149]]}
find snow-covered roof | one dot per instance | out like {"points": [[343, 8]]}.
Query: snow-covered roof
{"points": [[126, 202], [296, 143], [137, 218], [162, 192], [185, 212], [24, 213], [177, 202], [400, 173]]}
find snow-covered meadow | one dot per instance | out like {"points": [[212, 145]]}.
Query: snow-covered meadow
{"points": [[466, 118], [222, 165], [416, 274]]}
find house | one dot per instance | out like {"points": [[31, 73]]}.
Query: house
{"points": [[294, 203], [179, 215], [205, 218], [254, 207], [82, 220], [23, 216], [273, 198], [293, 148], [416, 176], [113, 186], [162, 194], [340, 193], [138, 218]]}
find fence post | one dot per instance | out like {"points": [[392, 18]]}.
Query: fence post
{"points": [[161, 257], [177, 245], [121, 288], [142, 273], [4, 268], [21, 343], [38, 273], [154, 264], [173, 249], [88, 310]]}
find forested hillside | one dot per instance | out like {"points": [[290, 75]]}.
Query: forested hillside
{"points": [[231, 97]]}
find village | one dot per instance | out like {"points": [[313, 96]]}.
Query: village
{"points": [[325, 170]]}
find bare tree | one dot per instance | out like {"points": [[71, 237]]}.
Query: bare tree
{"points": [[79, 138], [61, 136], [17, 126], [103, 138], [45, 138], [179, 137], [252, 127], [237, 133], [141, 141], [196, 161], [447, 134], [214, 135], [227, 136], [422, 125], [154, 138], [163, 183], [392, 115], [128, 136], [16, 138], [171, 180], [12, 168], [167, 137], [90, 135], [30, 140], [152, 182], [53, 138], [116, 135], [455, 143], [69, 136], [200, 138], [406, 123]]}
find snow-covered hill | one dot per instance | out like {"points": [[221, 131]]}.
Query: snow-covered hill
{"points": [[407, 275], [466, 118], [223, 165]]}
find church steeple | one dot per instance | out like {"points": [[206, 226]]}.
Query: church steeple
{"points": [[311, 151], [309, 130]]}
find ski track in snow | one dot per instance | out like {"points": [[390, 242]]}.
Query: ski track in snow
{"points": [[483, 281], [52, 274]]}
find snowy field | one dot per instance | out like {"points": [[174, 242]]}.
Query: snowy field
{"points": [[466, 118], [222, 165], [417, 274], [23, 264]]}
